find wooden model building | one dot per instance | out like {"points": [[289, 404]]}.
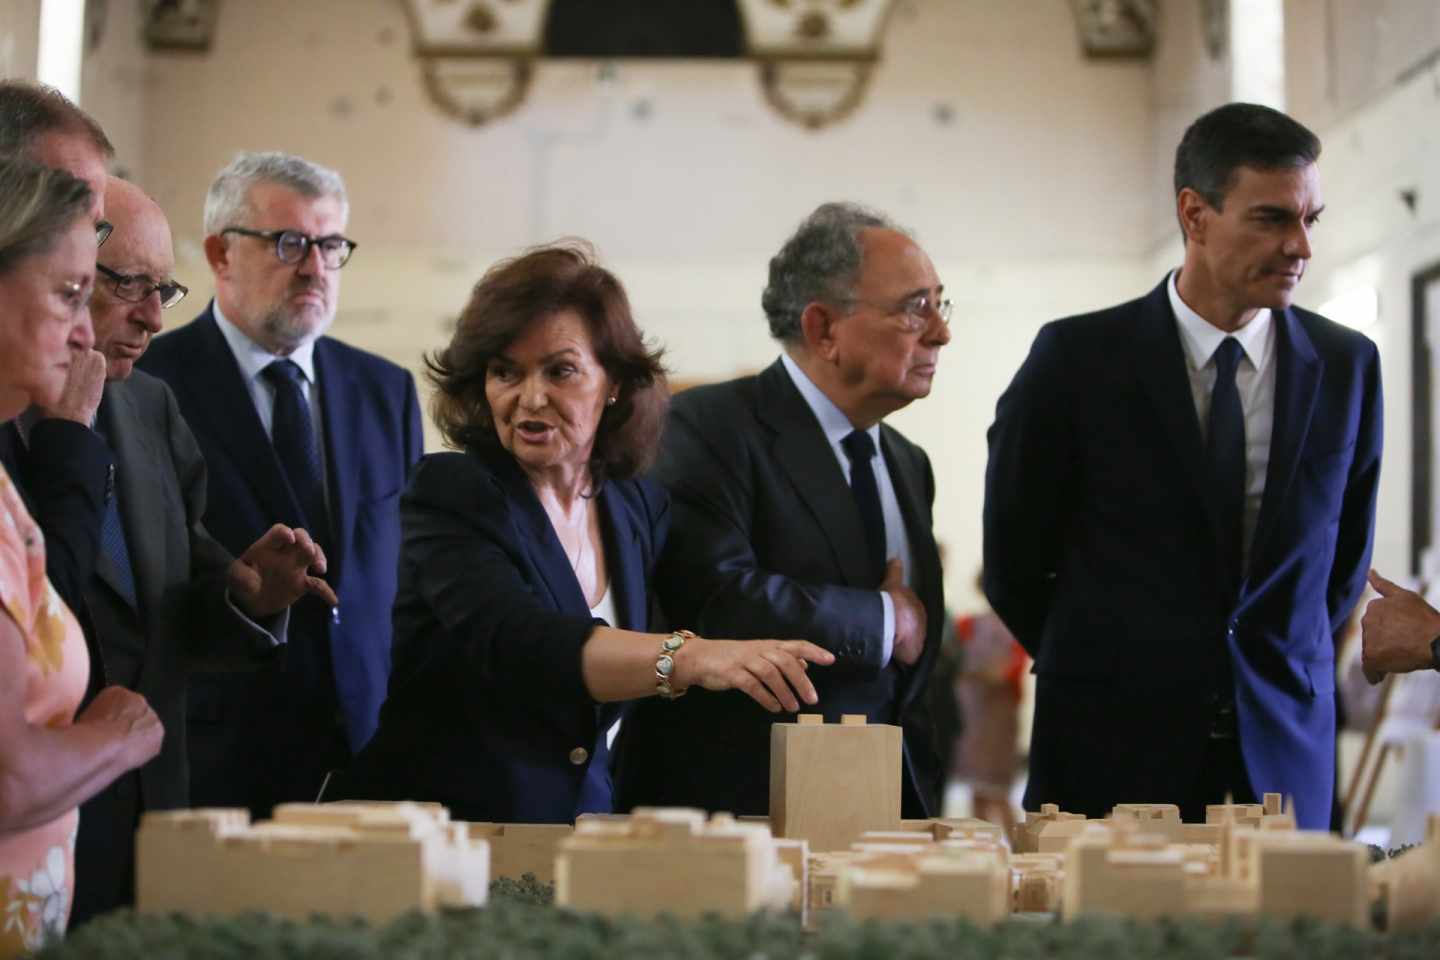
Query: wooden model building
{"points": [[1049, 831], [830, 783], [520, 848], [1410, 883], [1114, 867], [376, 860], [672, 861], [950, 878], [1039, 882]]}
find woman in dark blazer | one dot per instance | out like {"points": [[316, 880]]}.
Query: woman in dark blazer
{"points": [[526, 561]]}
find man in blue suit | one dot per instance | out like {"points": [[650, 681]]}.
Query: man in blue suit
{"points": [[300, 429], [1179, 504]]}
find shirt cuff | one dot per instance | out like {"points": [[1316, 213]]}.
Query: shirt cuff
{"points": [[273, 632], [887, 637]]}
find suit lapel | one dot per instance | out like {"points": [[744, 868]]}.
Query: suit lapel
{"points": [[807, 458], [222, 395], [1297, 387], [340, 405], [537, 537], [1161, 366], [138, 490], [626, 561]]}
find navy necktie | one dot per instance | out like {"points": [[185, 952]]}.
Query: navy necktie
{"points": [[861, 450], [1225, 447], [113, 543], [292, 432]]}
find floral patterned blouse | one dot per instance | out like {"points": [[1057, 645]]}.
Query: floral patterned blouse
{"points": [[37, 864]]}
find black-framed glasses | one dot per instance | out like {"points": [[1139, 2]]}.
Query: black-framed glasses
{"points": [[917, 310], [292, 246], [135, 289], [103, 229]]}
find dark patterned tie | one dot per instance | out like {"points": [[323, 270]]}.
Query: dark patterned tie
{"points": [[117, 551], [292, 432], [861, 450], [1225, 447]]}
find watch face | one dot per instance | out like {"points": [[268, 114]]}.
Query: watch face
{"points": [[665, 666]]}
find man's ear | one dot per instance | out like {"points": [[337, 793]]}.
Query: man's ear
{"points": [[1194, 212], [217, 254], [817, 327]]}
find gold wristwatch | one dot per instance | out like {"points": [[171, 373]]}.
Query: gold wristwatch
{"points": [[665, 663]]}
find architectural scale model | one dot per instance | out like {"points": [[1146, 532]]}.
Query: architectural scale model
{"points": [[1409, 885], [672, 861], [829, 783], [376, 860]]}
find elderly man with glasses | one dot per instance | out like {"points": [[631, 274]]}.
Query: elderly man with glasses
{"points": [[798, 512], [164, 596], [300, 429]]}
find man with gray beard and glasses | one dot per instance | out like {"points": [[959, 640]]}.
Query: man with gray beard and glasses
{"points": [[300, 429]]}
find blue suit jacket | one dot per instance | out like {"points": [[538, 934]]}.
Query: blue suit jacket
{"points": [[488, 712], [371, 418], [1101, 556]]}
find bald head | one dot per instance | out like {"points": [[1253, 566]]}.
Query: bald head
{"points": [[139, 248]]}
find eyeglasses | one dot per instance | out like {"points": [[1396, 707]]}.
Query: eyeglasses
{"points": [[135, 289], [292, 246], [103, 229], [916, 309]]}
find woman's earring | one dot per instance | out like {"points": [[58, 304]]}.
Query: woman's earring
{"points": [[611, 401]]}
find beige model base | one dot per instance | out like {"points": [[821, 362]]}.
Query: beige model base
{"points": [[1410, 884], [672, 861], [520, 848], [369, 859], [830, 783]]}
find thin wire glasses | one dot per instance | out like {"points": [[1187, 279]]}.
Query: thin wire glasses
{"points": [[103, 229], [916, 309], [135, 289], [292, 246]]}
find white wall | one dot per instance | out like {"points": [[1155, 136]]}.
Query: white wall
{"points": [[19, 38]]}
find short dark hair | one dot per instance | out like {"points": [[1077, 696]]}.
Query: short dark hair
{"points": [[820, 261], [516, 293], [1237, 135], [31, 110], [37, 205]]}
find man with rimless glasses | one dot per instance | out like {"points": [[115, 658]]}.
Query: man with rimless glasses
{"points": [[797, 512], [299, 429]]}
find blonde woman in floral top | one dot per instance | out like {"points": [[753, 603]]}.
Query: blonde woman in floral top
{"points": [[51, 760]]}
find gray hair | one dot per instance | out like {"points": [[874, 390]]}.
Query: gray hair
{"points": [[820, 261], [37, 205], [228, 201]]}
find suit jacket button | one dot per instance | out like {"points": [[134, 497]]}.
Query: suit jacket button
{"points": [[579, 755], [335, 616]]}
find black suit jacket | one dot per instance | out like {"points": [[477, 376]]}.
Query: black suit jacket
{"points": [[767, 543], [183, 619], [270, 736], [488, 712], [1101, 556]]}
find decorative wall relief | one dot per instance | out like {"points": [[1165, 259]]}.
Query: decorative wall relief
{"points": [[476, 56], [816, 57], [180, 24], [1215, 18], [1116, 28]]}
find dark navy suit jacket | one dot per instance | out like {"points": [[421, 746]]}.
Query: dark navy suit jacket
{"points": [[488, 712], [1101, 556], [371, 419]]}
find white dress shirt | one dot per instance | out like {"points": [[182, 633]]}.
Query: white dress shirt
{"points": [[1255, 380], [253, 359], [837, 427]]}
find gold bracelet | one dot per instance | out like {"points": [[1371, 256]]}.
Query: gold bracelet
{"points": [[665, 663]]}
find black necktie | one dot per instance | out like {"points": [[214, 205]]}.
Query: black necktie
{"points": [[292, 431], [1226, 451], [861, 449]]}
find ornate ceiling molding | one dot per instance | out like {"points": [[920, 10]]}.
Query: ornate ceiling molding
{"points": [[180, 24], [1116, 28], [476, 56]]}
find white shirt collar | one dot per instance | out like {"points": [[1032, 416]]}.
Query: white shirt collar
{"points": [[254, 358], [1202, 338], [833, 421]]}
